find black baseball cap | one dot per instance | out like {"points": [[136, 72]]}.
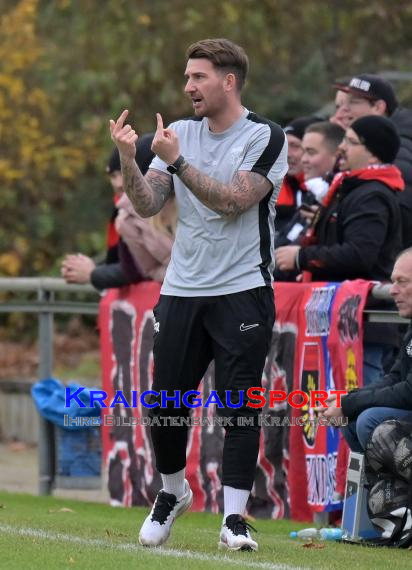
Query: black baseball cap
{"points": [[370, 87]]}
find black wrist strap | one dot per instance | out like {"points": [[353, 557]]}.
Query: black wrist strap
{"points": [[174, 168]]}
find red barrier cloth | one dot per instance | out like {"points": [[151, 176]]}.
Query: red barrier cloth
{"points": [[346, 351], [329, 330], [295, 473]]}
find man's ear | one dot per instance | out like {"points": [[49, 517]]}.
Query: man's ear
{"points": [[230, 82], [373, 161], [381, 107]]}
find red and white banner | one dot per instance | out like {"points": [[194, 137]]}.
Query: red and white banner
{"points": [[346, 352], [296, 468]]}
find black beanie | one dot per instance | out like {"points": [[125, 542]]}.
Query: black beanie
{"points": [[144, 155], [297, 126], [379, 135]]}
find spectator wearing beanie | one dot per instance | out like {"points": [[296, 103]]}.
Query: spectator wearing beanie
{"points": [[372, 95], [357, 232], [290, 195]]}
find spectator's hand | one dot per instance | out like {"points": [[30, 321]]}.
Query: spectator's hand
{"points": [[123, 136], [308, 213], [165, 142], [77, 268], [331, 399], [331, 412], [285, 257]]}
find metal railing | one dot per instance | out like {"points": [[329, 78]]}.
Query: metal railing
{"points": [[46, 305]]}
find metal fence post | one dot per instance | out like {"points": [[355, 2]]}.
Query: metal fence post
{"points": [[46, 449]]}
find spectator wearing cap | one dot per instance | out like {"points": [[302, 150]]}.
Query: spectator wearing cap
{"points": [[290, 195], [118, 268], [357, 232], [372, 95]]}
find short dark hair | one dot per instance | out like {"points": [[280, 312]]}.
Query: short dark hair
{"points": [[332, 133], [223, 54]]}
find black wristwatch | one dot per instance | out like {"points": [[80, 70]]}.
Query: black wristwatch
{"points": [[173, 168]]}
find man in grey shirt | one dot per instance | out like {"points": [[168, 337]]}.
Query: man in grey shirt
{"points": [[225, 167]]}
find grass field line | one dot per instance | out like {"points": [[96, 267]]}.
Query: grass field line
{"points": [[134, 548]]}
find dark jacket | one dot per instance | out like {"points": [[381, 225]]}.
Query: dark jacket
{"points": [[402, 118], [393, 391], [288, 200], [118, 274], [358, 234], [109, 276], [284, 237]]}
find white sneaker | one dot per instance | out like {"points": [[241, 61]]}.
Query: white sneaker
{"points": [[235, 534], [157, 526]]}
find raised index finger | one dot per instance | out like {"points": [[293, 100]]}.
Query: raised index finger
{"points": [[120, 121], [159, 122]]}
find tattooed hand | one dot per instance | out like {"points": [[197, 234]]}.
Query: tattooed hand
{"points": [[149, 194], [165, 143], [124, 136]]}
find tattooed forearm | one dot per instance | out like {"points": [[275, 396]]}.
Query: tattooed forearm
{"points": [[245, 190], [147, 193], [162, 188]]}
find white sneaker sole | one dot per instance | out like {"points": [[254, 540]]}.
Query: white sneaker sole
{"points": [[185, 507], [243, 547]]}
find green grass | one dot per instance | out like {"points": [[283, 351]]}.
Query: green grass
{"points": [[36, 534]]}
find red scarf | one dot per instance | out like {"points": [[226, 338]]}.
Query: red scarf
{"points": [[388, 174]]}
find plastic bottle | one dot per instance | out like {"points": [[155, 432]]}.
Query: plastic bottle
{"points": [[310, 534]]}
